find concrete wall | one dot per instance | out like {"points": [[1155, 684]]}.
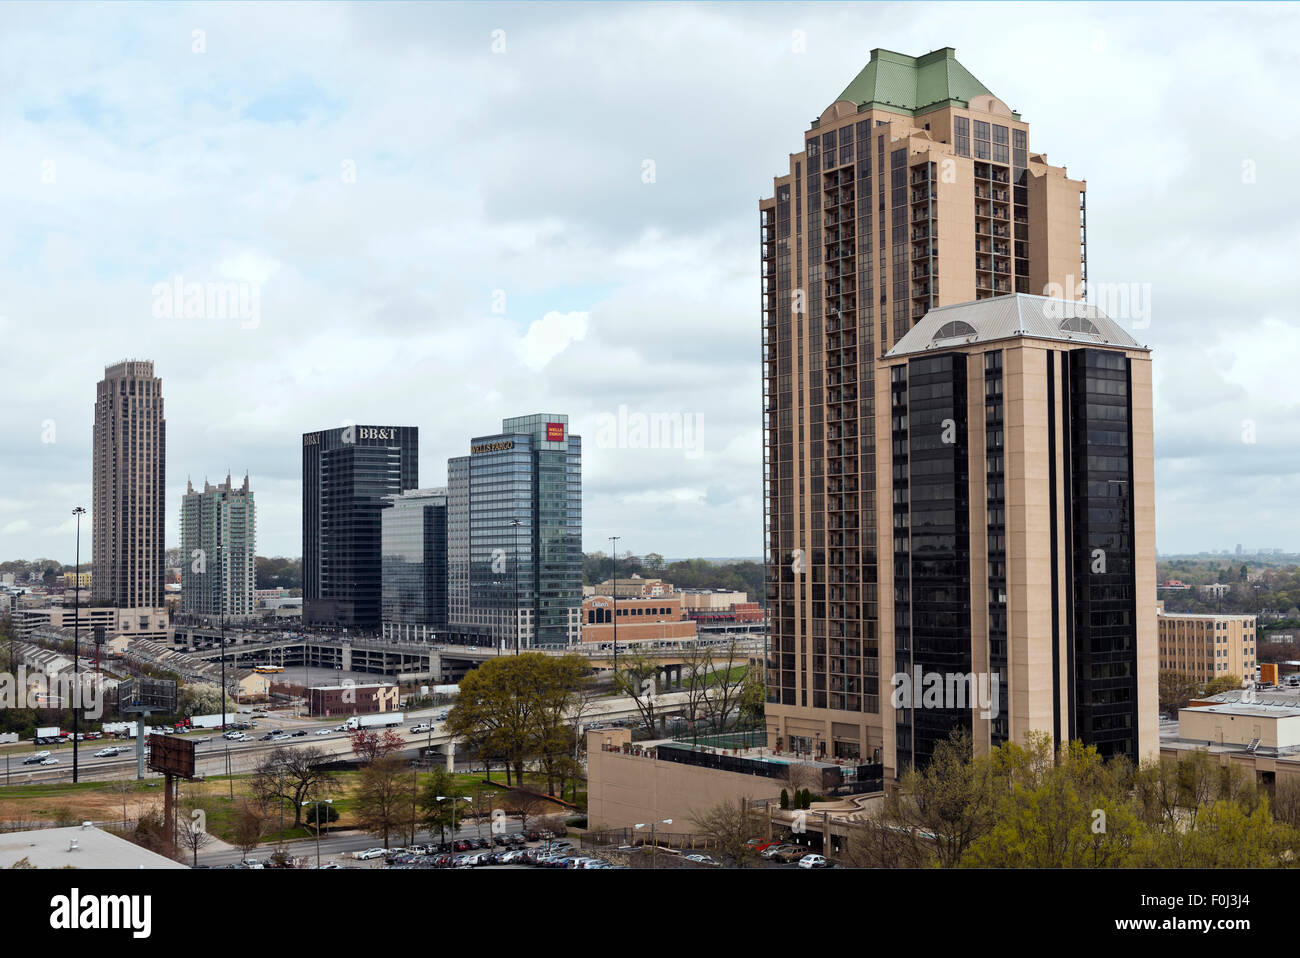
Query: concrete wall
{"points": [[624, 790]]}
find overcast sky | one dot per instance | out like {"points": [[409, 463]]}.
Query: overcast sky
{"points": [[452, 214]]}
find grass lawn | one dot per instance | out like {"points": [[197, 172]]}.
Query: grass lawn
{"points": [[70, 804]]}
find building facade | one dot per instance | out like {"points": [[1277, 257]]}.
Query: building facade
{"points": [[219, 550], [129, 486], [916, 189], [414, 560], [346, 475], [1207, 647], [514, 521], [657, 619]]}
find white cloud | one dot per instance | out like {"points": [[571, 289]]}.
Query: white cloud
{"points": [[549, 336]]}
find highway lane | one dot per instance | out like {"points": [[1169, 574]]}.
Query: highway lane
{"points": [[215, 755]]}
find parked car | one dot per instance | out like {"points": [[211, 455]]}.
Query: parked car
{"points": [[791, 853], [369, 853], [761, 844], [814, 861], [772, 851], [703, 859]]}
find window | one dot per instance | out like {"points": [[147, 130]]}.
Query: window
{"points": [[961, 135]]}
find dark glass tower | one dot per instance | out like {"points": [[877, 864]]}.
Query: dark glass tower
{"points": [[346, 474], [415, 564]]}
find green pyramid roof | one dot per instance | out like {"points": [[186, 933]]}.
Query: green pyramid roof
{"points": [[913, 85]]}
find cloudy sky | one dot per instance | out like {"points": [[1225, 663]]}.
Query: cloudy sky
{"points": [[450, 214]]}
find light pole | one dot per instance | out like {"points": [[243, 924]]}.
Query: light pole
{"points": [[515, 522], [453, 799], [614, 575], [76, 647], [654, 845], [328, 801]]}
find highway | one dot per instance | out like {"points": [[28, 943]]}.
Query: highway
{"points": [[215, 756]]}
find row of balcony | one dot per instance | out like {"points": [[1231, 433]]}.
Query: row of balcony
{"points": [[997, 212]]}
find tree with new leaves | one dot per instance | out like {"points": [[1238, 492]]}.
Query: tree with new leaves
{"points": [[511, 709], [370, 744], [438, 796]]}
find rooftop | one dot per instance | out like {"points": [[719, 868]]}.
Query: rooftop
{"points": [[53, 848], [912, 85], [1010, 317]]}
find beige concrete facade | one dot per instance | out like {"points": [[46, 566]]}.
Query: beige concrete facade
{"points": [[1207, 647], [628, 789], [129, 485], [1034, 696], [858, 243]]}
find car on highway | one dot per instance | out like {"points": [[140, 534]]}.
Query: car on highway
{"points": [[369, 853], [325, 731], [107, 752], [33, 760], [299, 734], [49, 761], [420, 729], [442, 716]]}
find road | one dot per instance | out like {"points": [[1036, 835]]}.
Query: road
{"points": [[216, 756]]}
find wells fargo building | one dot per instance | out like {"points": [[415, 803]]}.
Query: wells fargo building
{"points": [[916, 189]]}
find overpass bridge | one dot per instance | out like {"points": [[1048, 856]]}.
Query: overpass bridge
{"points": [[410, 660]]}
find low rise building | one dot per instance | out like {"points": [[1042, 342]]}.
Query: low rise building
{"points": [[639, 619], [327, 701], [635, 587], [1207, 647], [144, 623]]}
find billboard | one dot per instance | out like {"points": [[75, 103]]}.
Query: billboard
{"points": [[171, 755], [555, 432]]}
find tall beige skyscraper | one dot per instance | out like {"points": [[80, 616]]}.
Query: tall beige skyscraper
{"points": [[130, 468], [916, 189]]}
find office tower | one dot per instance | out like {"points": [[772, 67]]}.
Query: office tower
{"points": [[414, 564], [218, 549], [129, 486], [1016, 489], [346, 474], [915, 189], [514, 550]]}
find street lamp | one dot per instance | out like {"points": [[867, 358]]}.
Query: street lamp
{"points": [[614, 575], [515, 522], [453, 799], [654, 845], [78, 512], [328, 801]]}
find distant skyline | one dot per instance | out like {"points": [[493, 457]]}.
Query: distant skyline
{"points": [[445, 215]]}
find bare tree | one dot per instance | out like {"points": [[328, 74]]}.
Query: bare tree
{"points": [[288, 775], [523, 804], [729, 826], [192, 833], [249, 826]]}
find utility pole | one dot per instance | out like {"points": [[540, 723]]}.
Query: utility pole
{"points": [[76, 649]]}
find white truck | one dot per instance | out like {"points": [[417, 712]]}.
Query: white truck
{"points": [[47, 731], [379, 720], [210, 721]]}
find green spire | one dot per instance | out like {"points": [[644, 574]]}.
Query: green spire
{"points": [[913, 85]]}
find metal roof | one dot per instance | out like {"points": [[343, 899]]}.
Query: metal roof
{"points": [[1009, 317], [907, 84]]}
